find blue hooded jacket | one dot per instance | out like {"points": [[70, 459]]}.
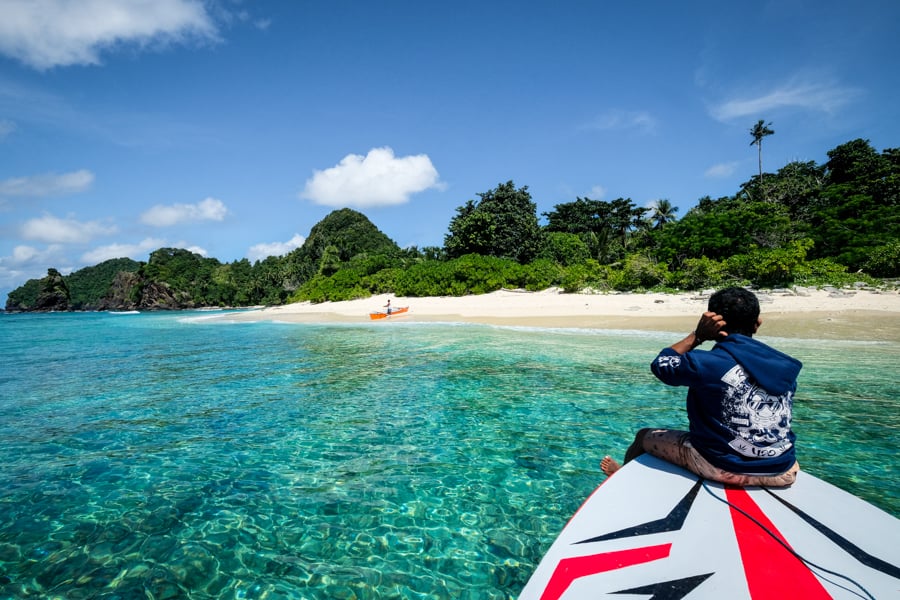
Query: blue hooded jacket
{"points": [[739, 402]]}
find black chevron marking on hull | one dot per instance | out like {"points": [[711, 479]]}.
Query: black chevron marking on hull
{"points": [[671, 522], [668, 590], [873, 562]]}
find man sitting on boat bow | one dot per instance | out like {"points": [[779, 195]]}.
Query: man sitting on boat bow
{"points": [[739, 400]]}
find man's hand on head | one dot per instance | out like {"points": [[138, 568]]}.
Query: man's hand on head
{"points": [[710, 327]]}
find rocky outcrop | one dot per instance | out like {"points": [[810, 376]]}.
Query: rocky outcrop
{"points": [[54, 294], [129, 291], [124, 292], [160, 296]]}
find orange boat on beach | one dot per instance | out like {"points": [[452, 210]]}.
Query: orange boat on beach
{"points": [[384, 315]]}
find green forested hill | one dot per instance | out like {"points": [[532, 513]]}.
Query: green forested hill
{"points": [[87, 285], [335, 240], [810, 224]]}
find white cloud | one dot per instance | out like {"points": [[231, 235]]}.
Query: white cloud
{"points": [[24, 256], [28, 262], [597, 192], [261, 23], [623, 120], [377, 179], [210, 209], [263, 251], [721, 170], [137, 251], [192, 248], [824, 97], [6, 128], [50, 33], [49, 184], [53, 230]]}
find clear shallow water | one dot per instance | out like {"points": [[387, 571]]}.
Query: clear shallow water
{"points": [[165, 456]]}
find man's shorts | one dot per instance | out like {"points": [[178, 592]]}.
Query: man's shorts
{"points": [[675, 447]]}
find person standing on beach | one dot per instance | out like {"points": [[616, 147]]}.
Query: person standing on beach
{"points": [[739, 400], [388, 307]]}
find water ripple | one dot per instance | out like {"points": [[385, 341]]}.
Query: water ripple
{"points": [[160, 457]]}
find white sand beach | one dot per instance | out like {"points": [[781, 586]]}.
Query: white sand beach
{"points": [[804, 312]]}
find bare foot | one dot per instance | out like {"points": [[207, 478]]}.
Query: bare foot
{"points": [[609, 466]]}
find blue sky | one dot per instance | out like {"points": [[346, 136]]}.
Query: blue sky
{"points": [[231, 128]]}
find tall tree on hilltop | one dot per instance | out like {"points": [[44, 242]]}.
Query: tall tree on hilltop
{"points": [[586, 218], [663, 211], [759, 131], [624, 216], [603, 226], [503, 223]]}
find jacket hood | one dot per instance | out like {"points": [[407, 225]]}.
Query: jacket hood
{"points": [[775, 371]]}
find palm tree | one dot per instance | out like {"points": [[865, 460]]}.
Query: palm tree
{"points": [[663, 212], [759, 131]]}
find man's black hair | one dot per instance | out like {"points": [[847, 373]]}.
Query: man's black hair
{"points": [[739, 307]]}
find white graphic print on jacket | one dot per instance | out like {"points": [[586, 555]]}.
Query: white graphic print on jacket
{"points": [[760, 420]]}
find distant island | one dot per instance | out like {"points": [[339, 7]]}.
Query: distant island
{"points": [[807, 224]]}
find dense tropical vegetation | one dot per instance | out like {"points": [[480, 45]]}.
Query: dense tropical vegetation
{"points": [[836, 223]]}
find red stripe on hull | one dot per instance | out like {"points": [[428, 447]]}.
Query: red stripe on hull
{"points": [[772, 571], [570, 569]]}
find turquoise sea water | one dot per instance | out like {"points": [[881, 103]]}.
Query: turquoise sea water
{"points": [[168, 456]]}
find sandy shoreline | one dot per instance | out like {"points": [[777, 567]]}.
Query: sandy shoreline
{"points": [[812, 313]]}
